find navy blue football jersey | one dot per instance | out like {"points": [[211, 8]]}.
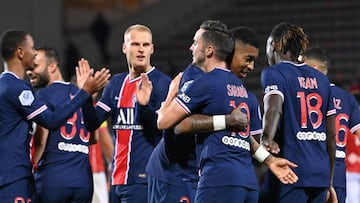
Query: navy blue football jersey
{"points": [[174, 160], [18, 107], [67, 147], [347, 121], [301, 134], [224, 156], [134, 126]]}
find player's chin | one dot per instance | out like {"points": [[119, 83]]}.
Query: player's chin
{"points": [[33, 81], [243, 75]]}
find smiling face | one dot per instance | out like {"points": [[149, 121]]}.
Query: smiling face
{"points": [[138, 48], [243, 61], [39, 76]]}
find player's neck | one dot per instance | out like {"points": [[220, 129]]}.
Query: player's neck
{"points": [[136, 71], [211, 65], [16, 68], [56, 77]]}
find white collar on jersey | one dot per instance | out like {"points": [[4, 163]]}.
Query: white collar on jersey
{"points": [[295, 64], [11, 74]]}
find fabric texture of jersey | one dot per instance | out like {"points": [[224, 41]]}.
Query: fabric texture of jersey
{"points": [[301, 134], [19, 106], [347, 121], [67, 148], [224, 156], [134, 126], [173, 160]]}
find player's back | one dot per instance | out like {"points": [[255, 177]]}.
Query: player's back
{"points": [[347, 120], [173, 159], [66, 151], [221, 154], [302, 131]]}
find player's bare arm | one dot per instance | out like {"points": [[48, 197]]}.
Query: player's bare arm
{"points": [[280, 167], [197, 123], [331, 196], [40, 139], [331, 144], [273, 111], [94, 137], [170, 113]]}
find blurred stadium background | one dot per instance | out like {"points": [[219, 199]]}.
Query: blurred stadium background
{"points": [[94, 29]]}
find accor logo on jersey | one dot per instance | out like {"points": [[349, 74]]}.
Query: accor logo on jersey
{"points": [[317, 136]]}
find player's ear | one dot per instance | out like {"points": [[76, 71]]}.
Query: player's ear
{"points": [[19, 52], [52, 67], [209, 51], [275, 46], [124, 48]]}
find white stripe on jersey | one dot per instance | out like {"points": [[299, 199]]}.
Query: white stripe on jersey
{"points": [[103, 106], [37, 112]]}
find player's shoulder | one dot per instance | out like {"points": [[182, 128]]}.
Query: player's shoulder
{"points": [[338, 91], [11, 80], [156, 75], [10, 83], [251, 95], [117, 78], [271, 70]]}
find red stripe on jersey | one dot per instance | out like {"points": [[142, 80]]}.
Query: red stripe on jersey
{"points": [[127, 93], [122, 157], [127, 99]]}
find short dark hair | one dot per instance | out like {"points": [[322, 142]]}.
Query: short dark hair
{"points": [[317, 53], [218, 35], [246, 35], [10, 41], [50, 53]]}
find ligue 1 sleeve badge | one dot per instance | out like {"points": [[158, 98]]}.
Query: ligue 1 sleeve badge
{"points": [[26, 97]]}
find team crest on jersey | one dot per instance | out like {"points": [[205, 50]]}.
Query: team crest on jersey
{"points": [[186, 85], [134, 98], [26, 98]]}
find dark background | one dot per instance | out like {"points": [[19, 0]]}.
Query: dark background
{"points": [[94, 29]]}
